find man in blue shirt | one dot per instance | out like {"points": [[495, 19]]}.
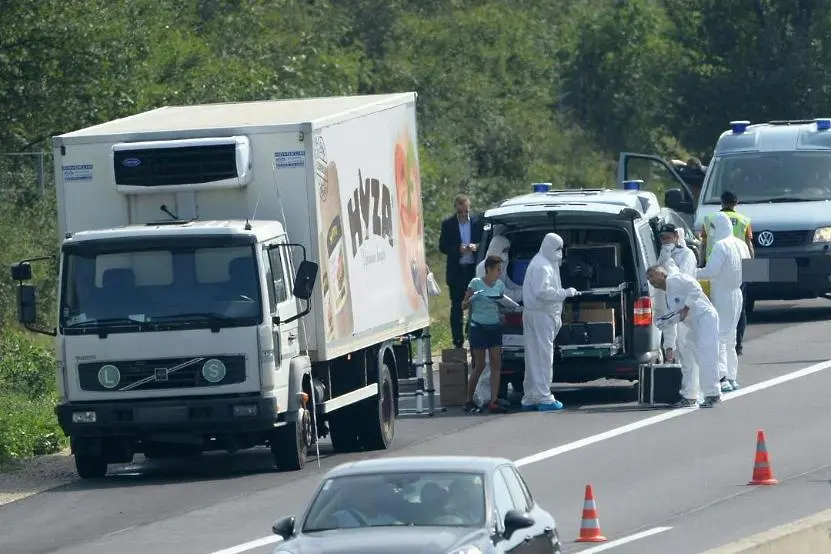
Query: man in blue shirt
{"points": [[460, 236]]}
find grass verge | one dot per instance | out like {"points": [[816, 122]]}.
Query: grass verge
{"points": [[28, 426]]}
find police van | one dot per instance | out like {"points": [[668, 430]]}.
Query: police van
{"points": [[781, 173]]}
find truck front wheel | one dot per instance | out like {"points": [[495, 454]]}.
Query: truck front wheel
{"points": [[378, 415], [290, 443], [90, 466]]}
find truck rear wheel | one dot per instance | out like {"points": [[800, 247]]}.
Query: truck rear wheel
{"points": [[377, 421], [90, 466], [290, 443]]}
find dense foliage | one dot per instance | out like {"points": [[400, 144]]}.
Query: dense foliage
{"points": [[511, 91]]}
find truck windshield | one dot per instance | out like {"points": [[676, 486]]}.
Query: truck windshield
{"points": [[166, 287], [758, 178]]}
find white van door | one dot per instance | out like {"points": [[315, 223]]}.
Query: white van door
{"points": [[660, 178]]}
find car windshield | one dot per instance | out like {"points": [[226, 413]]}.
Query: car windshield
{"points": [[771, 177], [391, 499], [176, 284]]}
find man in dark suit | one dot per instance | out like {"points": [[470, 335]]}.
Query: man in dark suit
{"points": [[459, 240]]}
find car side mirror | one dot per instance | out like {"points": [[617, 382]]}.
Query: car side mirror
{"points": [[26, 305], [284, 527], [21, 271], [304, 281], [516, 520], [675, 199]]}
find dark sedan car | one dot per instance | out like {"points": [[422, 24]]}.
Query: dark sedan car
{"points": [[421, 505]]}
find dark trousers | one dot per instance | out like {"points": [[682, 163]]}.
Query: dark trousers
{"points": [[458, 286], [740, 328]]}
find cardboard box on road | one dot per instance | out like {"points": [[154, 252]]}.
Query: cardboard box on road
{"points": [[458, 355]]}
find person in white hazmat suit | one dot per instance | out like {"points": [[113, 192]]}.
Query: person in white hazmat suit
{"points": [[542, 296], [675, 256], [499, 246], [724, 271], [686, 298]]}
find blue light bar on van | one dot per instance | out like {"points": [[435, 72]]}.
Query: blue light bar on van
{"points": [[541, 187], [632, 184], [823, 123], [739, 127]]}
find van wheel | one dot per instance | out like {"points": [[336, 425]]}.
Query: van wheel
{"points": [[343, 430], [378, 414], [90, 466], [290, 443]]}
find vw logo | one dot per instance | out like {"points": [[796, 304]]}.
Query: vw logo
{"points": [[765, 238]]}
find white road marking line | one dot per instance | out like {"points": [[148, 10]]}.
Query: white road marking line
{"points": [[611, 433], [265, 541], [666, 416], [625, 540]]}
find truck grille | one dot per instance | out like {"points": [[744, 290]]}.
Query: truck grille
{"points": [[158, 374], [781, 238]]}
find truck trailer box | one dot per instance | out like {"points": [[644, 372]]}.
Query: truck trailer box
{"points": [[341, 174]]}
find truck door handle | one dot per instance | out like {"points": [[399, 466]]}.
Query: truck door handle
{"points": [[292, 337]]}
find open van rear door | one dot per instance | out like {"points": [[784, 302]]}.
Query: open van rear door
{"points": [[660, 178]]}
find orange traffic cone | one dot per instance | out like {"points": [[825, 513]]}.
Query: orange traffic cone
{"points": [[590, 526], [762, 472]]}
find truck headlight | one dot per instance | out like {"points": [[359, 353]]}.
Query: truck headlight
{"points": [[84, 417], [823, 234]]}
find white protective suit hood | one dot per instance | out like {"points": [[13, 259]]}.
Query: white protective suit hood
{"points": [[552, 249], [722, 226], [498, 246], [679, 257]]}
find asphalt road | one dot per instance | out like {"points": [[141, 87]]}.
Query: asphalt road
{"points": [[687, 473]]}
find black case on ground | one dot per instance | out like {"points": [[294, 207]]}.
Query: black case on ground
{"points": [[659, 384]]}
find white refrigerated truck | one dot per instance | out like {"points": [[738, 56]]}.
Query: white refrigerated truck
{"points": [[235, 275]]}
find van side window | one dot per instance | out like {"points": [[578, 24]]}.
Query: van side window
{"points": [[278, 278]]}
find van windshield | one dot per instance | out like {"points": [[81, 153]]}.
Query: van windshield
{"points": [[181, 284], [758, 178]]}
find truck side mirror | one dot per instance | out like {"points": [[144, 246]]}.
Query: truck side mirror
{"points": [[675, 199], [304, 281], [26, 307], [21, 271]]}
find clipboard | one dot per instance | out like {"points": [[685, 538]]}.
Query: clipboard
{"points": [[506, 302]]}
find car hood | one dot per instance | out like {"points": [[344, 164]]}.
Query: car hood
{"points": [[788, 216], [384, 540]]}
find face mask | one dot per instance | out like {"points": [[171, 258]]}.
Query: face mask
{"points": [[667, 247], [558, 257]]}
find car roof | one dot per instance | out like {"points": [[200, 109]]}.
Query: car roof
{"points": [[468, 464], [776, 136], [645, 202]]}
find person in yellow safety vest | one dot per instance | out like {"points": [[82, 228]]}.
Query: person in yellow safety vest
{"points": [[743, 231]]}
